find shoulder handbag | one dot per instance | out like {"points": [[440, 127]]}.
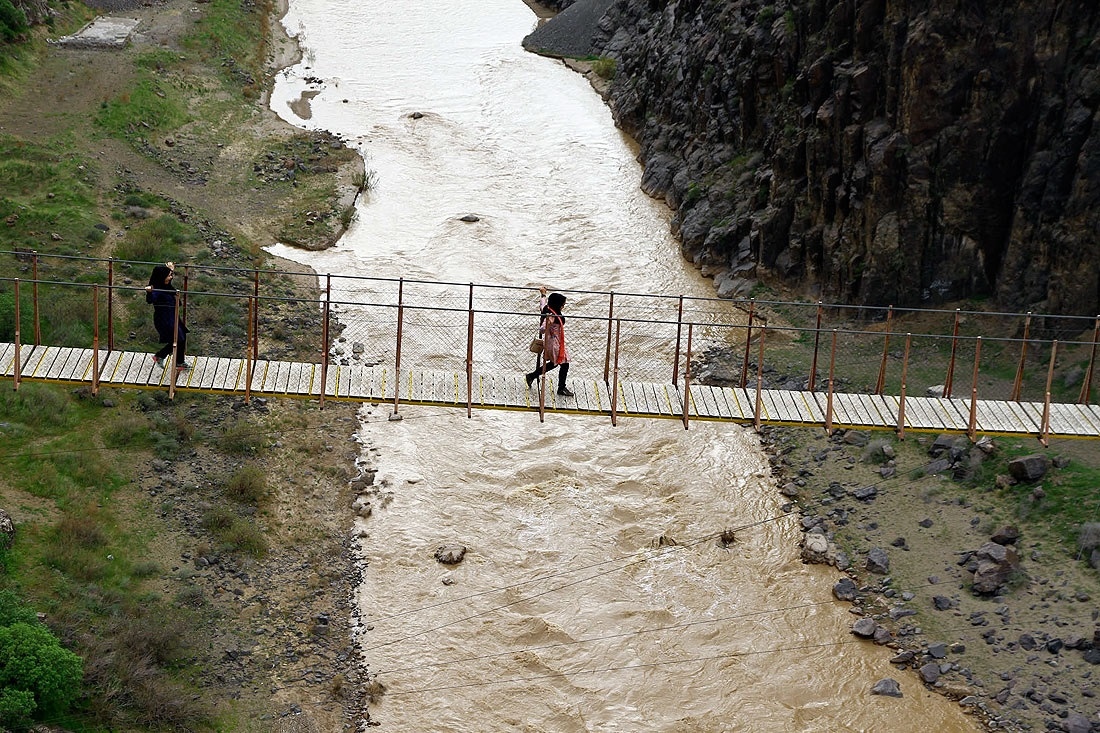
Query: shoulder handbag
{"points": [[536, 346]]}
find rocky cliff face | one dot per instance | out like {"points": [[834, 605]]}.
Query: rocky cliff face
{"points": [[873, 152]]}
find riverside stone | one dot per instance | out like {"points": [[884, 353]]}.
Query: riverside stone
{"points": [[888, 687], [878, 561]]}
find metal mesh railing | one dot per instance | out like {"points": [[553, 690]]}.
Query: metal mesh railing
{"points": [[71, 301]]}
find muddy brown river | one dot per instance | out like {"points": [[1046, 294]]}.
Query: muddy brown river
{"points": [[596, 593]]}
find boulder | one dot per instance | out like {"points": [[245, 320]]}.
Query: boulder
{"points": [[1076, 723], [995, 566], [865, 628], [845, 590], [1006, 535], [878, 562], [888, 687], [450, 554], [1029, 468], [930, 672]]}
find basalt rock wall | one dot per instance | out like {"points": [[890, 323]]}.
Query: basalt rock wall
{"points": [[873, 152]]}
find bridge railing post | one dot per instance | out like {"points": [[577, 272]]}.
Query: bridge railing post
{"points": [[470, 357], [1086, 385], [904, 378], [679, 330], [248, 362], [110, 304], [1017, 384], [881, 384], [397, 350], [759, 382], [1044, 430], [95, 340], [947, 383], [326, 316], [182, 314], [171, 370], [256, 311], [972, 423], [34, 299], [817, 341], [687, 381], [607, 351], [614, 378], [748, 341], [18, 346], [829, 399]]}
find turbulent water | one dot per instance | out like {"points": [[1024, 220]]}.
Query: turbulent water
{"points": [[598, 592]]}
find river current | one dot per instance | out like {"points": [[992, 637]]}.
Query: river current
{"points": [[594, 595]]}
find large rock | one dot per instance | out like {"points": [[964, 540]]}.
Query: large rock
{"points": [[450, 554], [1029, 468], [888, 687], [878, 562], [996, 565]]}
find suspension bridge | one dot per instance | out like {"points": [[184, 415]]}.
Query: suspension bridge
{"points": [[464, 346]]}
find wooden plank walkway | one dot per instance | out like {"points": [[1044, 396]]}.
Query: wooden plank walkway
{"points": [[495, 390]]}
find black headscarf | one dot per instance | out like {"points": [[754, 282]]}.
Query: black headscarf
{"points": [[556, 302], [159, 278]]}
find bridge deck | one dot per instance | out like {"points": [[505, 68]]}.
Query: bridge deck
{"points": [[508, 391]]}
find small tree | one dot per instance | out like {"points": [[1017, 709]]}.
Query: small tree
{"points": [[33, 663]]}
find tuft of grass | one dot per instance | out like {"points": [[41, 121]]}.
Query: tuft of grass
{"points": [[247, 485], [242, 439], [162, 239], [604, 67], [130, 430], [244, 536]]}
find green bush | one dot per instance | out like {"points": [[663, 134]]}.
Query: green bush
{"points": [[13, 21], [14, 612], [33, 662]]}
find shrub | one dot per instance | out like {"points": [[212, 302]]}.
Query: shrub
{"points": [[13, 612], [239, 439], [32, 661], [248, 485], [246, 537], [13, 21], [604, 67], [128, 430], [1088, 539]]}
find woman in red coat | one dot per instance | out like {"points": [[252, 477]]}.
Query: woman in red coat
{"points": [[555, 354]]}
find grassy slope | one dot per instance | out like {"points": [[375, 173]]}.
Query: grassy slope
{"points": [[148, 154]]}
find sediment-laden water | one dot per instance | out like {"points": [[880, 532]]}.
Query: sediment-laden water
{"points": [[595, 594]]}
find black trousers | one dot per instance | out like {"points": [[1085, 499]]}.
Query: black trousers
{"points": [[167, 348], [546, 366]]}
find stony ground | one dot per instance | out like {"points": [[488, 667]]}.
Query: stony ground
{"points": [[1022, 658]]}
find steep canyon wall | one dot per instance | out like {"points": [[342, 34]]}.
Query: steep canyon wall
{"points": [[873, 152]]}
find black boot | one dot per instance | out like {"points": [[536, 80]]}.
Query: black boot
{"points": [[562, 389]]}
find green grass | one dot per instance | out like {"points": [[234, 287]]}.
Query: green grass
{"points": [[233, 36], [149, 107], [1068, 500], [44, 191]]}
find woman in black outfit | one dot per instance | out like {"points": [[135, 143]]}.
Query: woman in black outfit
{"points": [[161, 293]]}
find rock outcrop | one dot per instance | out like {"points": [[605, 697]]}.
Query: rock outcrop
{"points": [[872, 152]]}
